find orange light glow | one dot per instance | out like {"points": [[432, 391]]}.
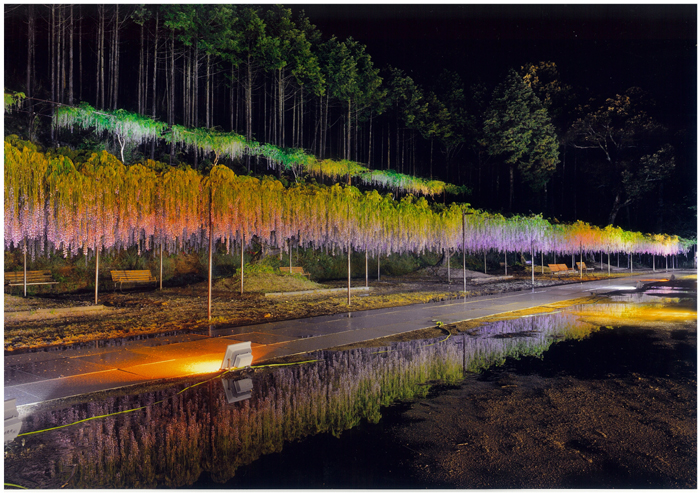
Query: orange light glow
{"points": [[198, 367]]}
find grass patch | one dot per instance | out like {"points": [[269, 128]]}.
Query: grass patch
{"points": [[267, 282]]}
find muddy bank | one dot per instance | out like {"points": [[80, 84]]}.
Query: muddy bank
{"points": [[617, 410]]}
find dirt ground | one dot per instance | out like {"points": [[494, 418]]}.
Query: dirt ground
{"points": [[617, 410], [41, 321]]}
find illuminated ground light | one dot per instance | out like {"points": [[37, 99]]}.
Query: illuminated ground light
{"points": [[238, 356]]}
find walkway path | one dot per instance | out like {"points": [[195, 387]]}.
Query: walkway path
{"points": [[41, 376]]}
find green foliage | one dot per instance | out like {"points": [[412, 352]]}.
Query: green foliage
{"points": [[336, 169], [629, 154], [135, 129], [12, 100], [16, 141], [517, 129], [457, 189]]}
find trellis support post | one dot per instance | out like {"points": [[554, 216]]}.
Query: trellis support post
{"points": [[366, 269], [211, 243], [349, 274], [449, 257], [97, 271], [242, 250], [24, 276], [161, 266], [464, 253], [532, 264]]}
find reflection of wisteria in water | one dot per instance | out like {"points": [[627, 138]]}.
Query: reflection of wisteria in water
{"points": [[172, 443], [527, 336]]}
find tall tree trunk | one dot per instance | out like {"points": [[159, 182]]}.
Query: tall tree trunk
{"points": [[31, 39], [249, 106], [64, 55], [615, 209], [80, 54], [208, 115], [231, 100], [349, 127], [511, 169], [141, 76], [369, 145], [431, 158], [324, 126], [101, 58], [144, 93], [280, 106], [357, 126], [116, 60], [110, 86], [52, 57], [186, 78], [70, 63], [60, 63], [195, 73], [660, 208], [155, 74], [388, 145], [171, 111], [403, 150], [295, 130]]}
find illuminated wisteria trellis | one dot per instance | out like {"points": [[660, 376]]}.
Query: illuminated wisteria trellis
{"points": [[135, 129], [53, 204]]}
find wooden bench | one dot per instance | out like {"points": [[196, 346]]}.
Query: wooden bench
{"points": [[582, 266], [131, 276], [559, 269], [34, 277], [295, 270]]}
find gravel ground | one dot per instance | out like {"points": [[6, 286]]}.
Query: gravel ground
{"points": [[617, 410]]}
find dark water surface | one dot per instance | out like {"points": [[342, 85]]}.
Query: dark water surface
{"points": [[326, 424]]}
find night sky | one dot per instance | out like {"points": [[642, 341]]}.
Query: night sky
{"points": [[605, 48]]}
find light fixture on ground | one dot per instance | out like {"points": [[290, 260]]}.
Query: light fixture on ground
{"points": [[12, 422], [237, 390], [238, 355]]}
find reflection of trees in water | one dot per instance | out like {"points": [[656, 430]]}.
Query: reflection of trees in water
{"points": [[528, 336], [172, 443]]}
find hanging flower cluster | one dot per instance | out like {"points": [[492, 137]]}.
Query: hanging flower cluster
{"points": [[53, 203], [133, 128], [12, 100]]}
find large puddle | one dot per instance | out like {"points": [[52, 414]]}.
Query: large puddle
{"points": [[278, 427]]}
